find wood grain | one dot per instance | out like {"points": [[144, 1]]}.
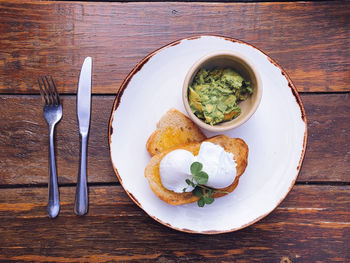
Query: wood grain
{"points": [[303, 229], [24, 138], [327, 153], [310, 39]]}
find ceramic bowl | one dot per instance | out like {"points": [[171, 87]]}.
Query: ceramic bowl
{"points": [[239, 63]]}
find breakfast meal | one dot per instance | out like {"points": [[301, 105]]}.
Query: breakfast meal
{"points": [[187, 167], [214, 95]]}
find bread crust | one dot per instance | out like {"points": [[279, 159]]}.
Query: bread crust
{"points": [[173, 129], [234, 145]]}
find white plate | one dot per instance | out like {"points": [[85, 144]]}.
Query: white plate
{"points": [[276, 137]]}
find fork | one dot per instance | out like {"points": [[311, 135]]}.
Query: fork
{"points": [[52, 114]]}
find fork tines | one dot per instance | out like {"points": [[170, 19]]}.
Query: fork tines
{"points": [[48, 90]]}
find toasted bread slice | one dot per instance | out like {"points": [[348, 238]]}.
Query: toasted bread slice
{"points": [[173, 129], [236, 146]]}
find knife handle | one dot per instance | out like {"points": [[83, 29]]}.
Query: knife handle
{"points": [[81, 193]]}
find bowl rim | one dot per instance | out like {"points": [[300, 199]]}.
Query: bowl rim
{"points": [[234, 122]]}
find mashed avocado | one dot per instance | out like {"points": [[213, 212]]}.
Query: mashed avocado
{"points": [[214, 95]]}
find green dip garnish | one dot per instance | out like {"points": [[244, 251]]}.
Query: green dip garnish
{"points": [[214, 95]]}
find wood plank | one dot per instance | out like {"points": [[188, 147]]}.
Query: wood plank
{"points": [[310, 39], [302, 229], [327, 155], [24, 138]]}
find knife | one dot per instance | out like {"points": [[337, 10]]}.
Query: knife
{"points": [[83, 112]]}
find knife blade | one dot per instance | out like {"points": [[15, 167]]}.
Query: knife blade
{"points": [[84, 96], [83, 112]]}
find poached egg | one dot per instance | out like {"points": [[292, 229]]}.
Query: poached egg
{"points": [[220, 166]]}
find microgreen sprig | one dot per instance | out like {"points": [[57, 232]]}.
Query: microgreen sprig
{"points": [[198, 181]]}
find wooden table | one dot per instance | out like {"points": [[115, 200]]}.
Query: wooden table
{"points": [[311, 40]]}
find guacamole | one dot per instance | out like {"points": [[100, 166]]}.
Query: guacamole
{"points": [[214, 95]]}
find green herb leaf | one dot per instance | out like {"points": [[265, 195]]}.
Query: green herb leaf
{"points": [[201, 177], [201, 202], [196, 167], [197, 191], [189, 182], [208, 200], [210, 191]]}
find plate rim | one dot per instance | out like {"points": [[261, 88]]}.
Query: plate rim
{"points": [[139, 66]]}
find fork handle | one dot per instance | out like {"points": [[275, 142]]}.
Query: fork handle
{"points": [[81, 193], [53, 204]]}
